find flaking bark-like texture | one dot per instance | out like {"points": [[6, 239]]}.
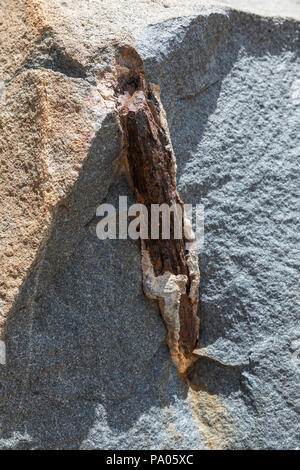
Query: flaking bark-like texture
{"points": [[170, 266]]}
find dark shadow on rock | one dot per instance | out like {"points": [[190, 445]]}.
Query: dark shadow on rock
{"points": [[215, 378], [92, 339]]}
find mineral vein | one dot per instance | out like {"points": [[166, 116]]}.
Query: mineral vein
{"points": [[170, 267]]}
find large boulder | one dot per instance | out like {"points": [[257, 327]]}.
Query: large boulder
{"points": [[86, 364]]}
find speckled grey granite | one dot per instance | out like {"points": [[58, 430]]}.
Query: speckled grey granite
{"points": [[232, 104], [90, 368]]}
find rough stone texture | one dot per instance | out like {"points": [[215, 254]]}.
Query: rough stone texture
{"points": [[87, 364], [50, 123]]}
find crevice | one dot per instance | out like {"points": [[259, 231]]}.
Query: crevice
{"points": [[170, 266], [202, 90]]}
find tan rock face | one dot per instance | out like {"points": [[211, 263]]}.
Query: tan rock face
{"points": [[48, 122]]}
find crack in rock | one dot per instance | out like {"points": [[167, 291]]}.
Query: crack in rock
{"points": [[170, 266]]}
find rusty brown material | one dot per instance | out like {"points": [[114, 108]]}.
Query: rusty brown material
{"points": [[170, 266]]}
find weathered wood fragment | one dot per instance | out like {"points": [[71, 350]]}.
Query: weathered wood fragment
{"points": [[170, 266]]}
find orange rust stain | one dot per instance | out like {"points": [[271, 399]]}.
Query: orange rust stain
{"points": [[212, 419]]}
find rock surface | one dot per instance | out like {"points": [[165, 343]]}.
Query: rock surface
{"points": [[87, 365], [287, 8]]}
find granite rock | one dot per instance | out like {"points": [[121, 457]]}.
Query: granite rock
{"points": [[87, 366]]}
